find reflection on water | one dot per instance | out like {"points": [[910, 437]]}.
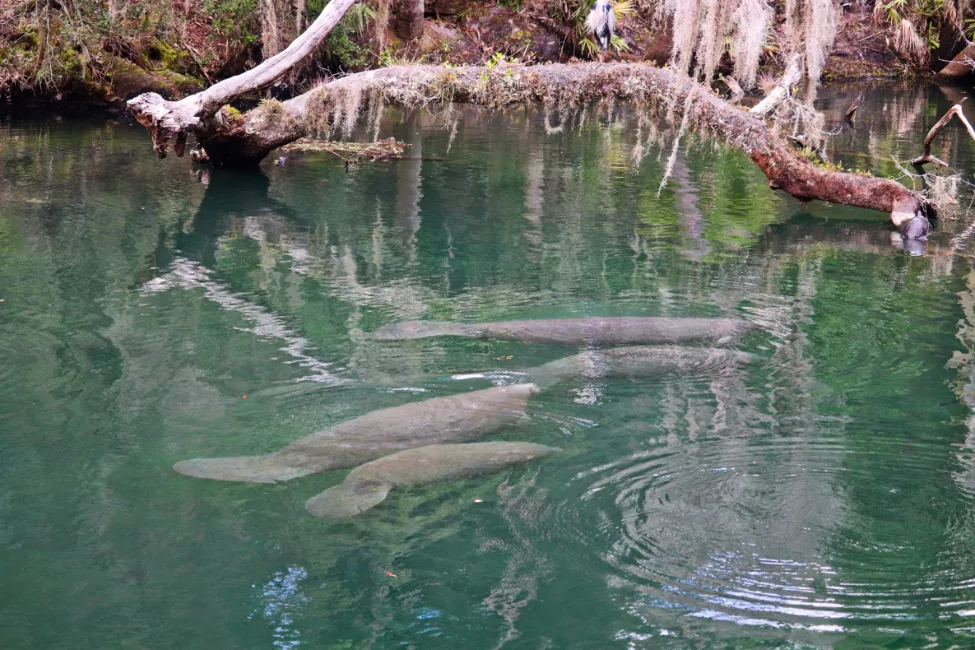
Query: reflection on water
{"points": [[183, 274], [822, 497]]}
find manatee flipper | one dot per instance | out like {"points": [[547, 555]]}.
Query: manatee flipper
{"points": [[348, 499], [249, 469]]}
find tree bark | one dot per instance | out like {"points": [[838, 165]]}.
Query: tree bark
{"points": [[409, 19]]}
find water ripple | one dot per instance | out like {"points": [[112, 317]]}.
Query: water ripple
{"points": [[764, 531]]}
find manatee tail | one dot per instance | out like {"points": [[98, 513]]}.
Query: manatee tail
{"points": [[548, 374], [421, 329], [348, 499], [249, 469]]}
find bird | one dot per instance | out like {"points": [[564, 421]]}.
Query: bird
{"points": [[602, 23]]}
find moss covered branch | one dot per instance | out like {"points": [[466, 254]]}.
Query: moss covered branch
{"points": [[661, 93]]}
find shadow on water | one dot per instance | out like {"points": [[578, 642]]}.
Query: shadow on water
{"points": [[228, 195]]}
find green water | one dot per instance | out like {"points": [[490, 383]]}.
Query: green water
{"points": [[823, 498]]}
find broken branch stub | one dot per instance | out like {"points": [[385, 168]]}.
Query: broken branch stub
{"points": [[792, 76], [954, 111], [851, 112], [166, 119], [737, 94]]}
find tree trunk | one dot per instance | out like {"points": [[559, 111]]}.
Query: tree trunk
{"points": [[409, 19]]}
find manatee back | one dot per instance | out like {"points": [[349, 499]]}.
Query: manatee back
{"points": [[639, 361], [368, 485], [434, 463], [625, 330], [465, 416], [420, 329], [646, 361]]}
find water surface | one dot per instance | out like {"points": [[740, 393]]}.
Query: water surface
{"points": [[152, 313]]}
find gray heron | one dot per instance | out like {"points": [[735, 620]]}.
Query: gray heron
{"points": [[602, 23]]}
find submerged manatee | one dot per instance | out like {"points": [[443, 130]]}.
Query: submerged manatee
{"points": [[463, 417], [639, 361], [577, 331], [368, 485]]}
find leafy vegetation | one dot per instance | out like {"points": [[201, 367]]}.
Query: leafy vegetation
{"points": [[915, 25], [75, 47]]}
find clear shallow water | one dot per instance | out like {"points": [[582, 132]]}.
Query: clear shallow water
{"points": [[823, 498]]}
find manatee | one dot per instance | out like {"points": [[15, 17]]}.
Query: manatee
{"points": [[368, 485], [577, 331], [639, 361], [463, 417]]}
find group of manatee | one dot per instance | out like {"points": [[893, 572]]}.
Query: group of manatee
{"points": [[431, 440]]}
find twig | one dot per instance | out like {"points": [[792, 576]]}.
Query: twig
{"points": [[195, 56], [867, 38], [955, 111], [907, 173]]}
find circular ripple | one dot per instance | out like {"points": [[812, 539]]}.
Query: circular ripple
{"points": [[827, 530]]}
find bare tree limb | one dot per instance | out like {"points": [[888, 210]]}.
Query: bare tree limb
{"points": [[166, 120], [954, 111]]}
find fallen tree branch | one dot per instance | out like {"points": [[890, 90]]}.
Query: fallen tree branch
{"points": [[246, 139], [167, 120], [954, 111]]}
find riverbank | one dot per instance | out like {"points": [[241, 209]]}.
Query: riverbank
{"points": [[175, 50]]}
